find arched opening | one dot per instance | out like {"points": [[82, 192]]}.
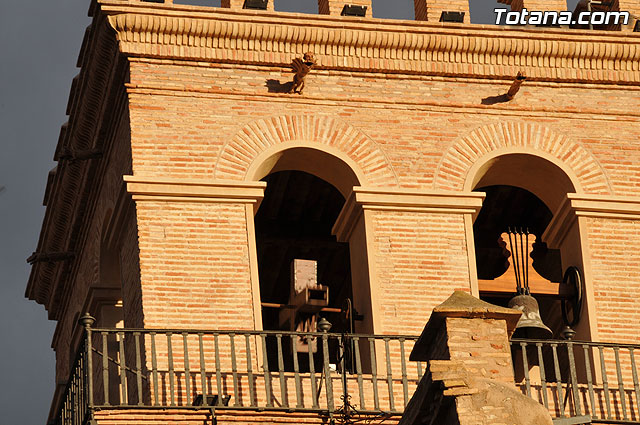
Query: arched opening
{"points": [[294, 221], [305, 195], [523, 192]]}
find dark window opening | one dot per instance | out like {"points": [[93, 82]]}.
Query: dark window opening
{"points": [[294, 221], [510, 206]]}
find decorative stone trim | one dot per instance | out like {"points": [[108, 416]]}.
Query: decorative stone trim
{"points": [[221, 35], [454, 167], [311, 131], [182, 190], [581, 205], [403, 200]]}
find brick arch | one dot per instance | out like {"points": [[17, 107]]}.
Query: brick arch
{"points": [[323, 132], [455, 166]]}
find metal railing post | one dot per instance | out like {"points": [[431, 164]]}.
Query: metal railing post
{"points": [[87, 321]]}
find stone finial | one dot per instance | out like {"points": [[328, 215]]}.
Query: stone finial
{"points": [[465, 306], [335, 7], [431, 10], [469, 379]]}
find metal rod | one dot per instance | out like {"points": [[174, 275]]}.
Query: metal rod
{"points": [[123, 370], [543, 378], [216, 349], [267, 374], [634, 373], [392, 406], [374, 374], [514, 259], [105, 367], [187, 371], [154, 369], [171, 371], [525, 367], [605, 382], [623, 401], [556, 365], [525, 262], [403, 364], [296, 372], [89, 368], [574, 379], [312, 372], [136, 337], [356, 344], [203, 370], [234, 371], [587, 365], [283, 383], [327, 373], [252, 388]]}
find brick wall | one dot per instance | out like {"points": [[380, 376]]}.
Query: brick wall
{"points": [[413, 120], [421, 258], [194, 265]]}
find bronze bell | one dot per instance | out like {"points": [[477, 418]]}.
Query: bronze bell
{"points": [[530, 324]]}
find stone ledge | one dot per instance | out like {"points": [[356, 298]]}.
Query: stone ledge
{"points": [[184, 190], [403, 200], [595, 206]]}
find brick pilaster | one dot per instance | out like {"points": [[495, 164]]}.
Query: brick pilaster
{"points": [[238, 4], [334, 7], [431, 10]]}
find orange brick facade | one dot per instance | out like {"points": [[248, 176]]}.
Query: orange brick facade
{"points": [[188, 107]]}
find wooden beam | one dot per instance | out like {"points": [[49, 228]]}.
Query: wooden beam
{"points": [[503, 286]]}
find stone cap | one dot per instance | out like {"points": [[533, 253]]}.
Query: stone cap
{"points": [[462, 305]]}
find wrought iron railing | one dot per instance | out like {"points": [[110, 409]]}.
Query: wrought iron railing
{"points": [[574, 378], [334, 375]]}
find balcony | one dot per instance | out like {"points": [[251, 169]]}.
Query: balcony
{"points": [[336, 376], [241, 370]]}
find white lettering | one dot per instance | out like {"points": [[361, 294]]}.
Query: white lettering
{"points": [[565, 18], [598, 18], [536, 18], [513, 18]]}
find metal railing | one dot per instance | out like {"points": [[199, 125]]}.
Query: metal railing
{"points": [[330, 374], [333, 375], [575, 378]]}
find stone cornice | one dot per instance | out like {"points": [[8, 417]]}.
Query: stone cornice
{"points": [[183, 190], [403, 200], [596, 206], [219, 35]]}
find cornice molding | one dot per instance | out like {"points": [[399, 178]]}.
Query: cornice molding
{"points": [[217, 35], [67, 189], [184, 190], [403, 200], [594, 206]]}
